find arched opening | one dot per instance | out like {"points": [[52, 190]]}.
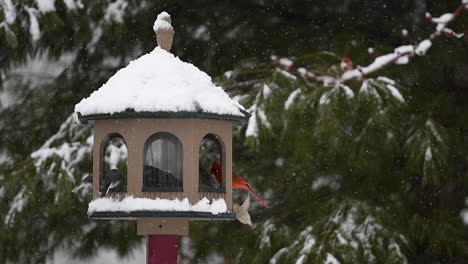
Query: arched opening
{"points": [[163, 164], [113, 176], [211, 164]]}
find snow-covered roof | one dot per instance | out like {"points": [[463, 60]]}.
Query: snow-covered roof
{"points": [[158, 84]]}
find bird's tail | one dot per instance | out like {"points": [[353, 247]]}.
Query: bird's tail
{"points": [[256, 195], [79, 187], [106, 190], [111, 185]]}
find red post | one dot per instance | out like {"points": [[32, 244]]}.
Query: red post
{"points": [[162, 249]]}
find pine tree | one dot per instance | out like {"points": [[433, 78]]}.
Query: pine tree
{"points": [[356, 172]]}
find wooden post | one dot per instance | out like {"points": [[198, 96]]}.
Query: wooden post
{"points": [[162, 249]]}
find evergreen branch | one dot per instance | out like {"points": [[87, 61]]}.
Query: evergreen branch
{"points": [[400, 55], [231, 87], [405, 51]]}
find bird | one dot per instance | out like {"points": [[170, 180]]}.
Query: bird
{"points": [[112, 178], [238, 182], [207, 179], [85, 181], [242, 211], [155, 177]]}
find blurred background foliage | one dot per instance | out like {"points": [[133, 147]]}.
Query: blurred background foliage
{"points": [[356, 173]]}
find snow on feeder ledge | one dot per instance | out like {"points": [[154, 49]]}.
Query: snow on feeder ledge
{"points": [[174, 123]]}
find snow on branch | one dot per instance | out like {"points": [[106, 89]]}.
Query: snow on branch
{"points": [[400, 55], [451, 33]]}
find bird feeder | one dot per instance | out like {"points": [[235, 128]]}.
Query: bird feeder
{"points": [[168, 122]]}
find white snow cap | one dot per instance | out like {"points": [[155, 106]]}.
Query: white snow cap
{"points": [[163, 15], [159, 82], [163, 21], [161, 24]]}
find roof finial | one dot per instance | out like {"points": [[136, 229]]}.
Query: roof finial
{"points": [[164, 31]]}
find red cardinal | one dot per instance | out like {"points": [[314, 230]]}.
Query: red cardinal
{"points": [[238, 182]]}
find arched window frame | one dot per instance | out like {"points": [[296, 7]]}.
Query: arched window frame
{"points": [[104, 144], [217, 139], [148, 141]]}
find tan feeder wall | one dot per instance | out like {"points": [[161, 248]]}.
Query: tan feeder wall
{"points": [[190, 132]]}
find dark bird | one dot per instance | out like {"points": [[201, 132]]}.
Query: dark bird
{"points": [[112, 179], [207, 179], [85, 181], [155, 177]]}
